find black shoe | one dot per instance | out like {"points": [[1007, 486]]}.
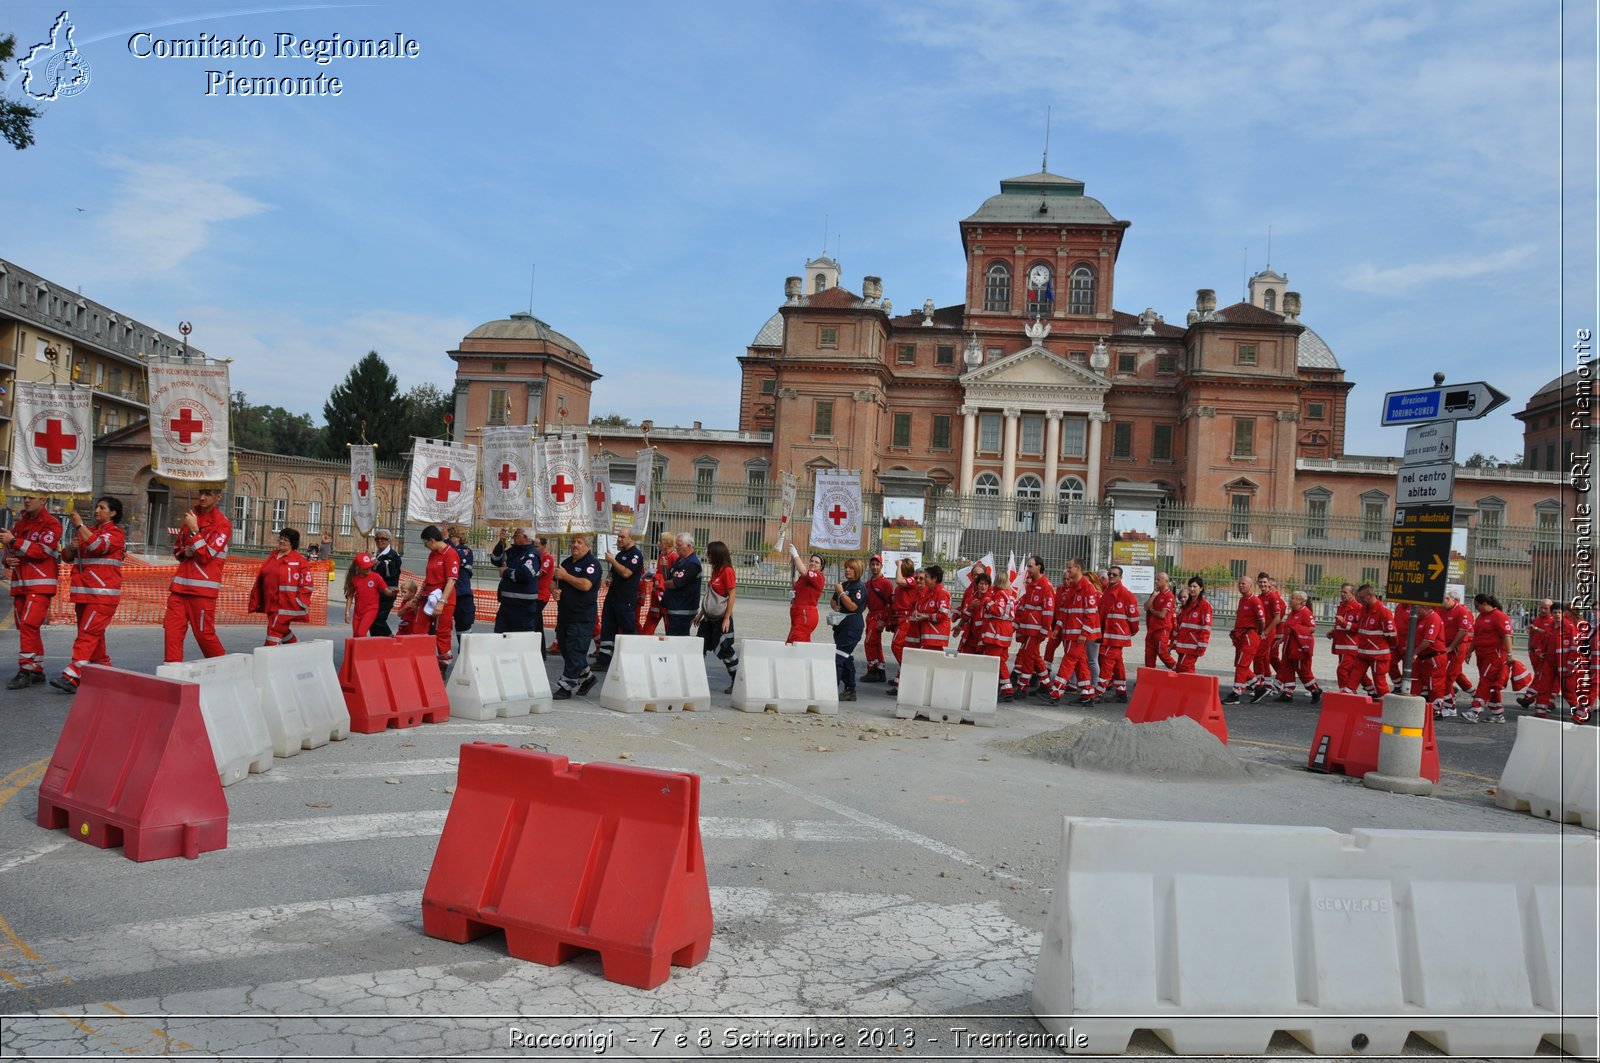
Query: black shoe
{"points": [[875, 675], [1232, 698], [1285, 698], [1316, 696], [600, 666], [848, 695], [1004, 697], [1086, 700], [561, 694], [1260, 694], [23, 680], [588, 684], [64, 684], [1121, 697], [893, 688], [1525, 700]]}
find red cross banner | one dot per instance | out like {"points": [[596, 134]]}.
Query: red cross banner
{"points": [[364, 488], [508, 474], [600, 494], [189, 422], [444, 482], [639, 506], [836, 513], [52, 440], [791, 489], [562, 486]]}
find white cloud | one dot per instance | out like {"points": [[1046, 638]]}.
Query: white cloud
{"points": [[1403, 279]]}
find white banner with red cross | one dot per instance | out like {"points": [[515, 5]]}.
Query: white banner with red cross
{"points": [[836, 514], [364, 488], [54, 433], [644, 468], [444, 482], [189, 422], [600, 494], [508, 474], [563, 491]]}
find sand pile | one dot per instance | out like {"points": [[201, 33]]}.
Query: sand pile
{"points": [[1171, 747]]}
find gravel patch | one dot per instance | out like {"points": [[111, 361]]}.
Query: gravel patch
{"points": [[1175, 747]]}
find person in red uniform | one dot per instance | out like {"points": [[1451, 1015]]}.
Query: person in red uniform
{"points": [[547, 593], [1248, 620], [803, 598], [31, 559], [363, 590], [666, 557], [1273, 609], [1346, 618], [202, 550], [1430, 664], [1458, 621], [1058, 633], [438, 594], [1191, 632], [1160, 610], [1298, 635], [931, 614], [1559, 673], [1082, 624], [1541, 647], [1375, 638], [968, 619], [880, 608], [1119, 622], [1491, 643], [1033, 619], [283, 589], [96, 554], [907, 589], [996, 626]]}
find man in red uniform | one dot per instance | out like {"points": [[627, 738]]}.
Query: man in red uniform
{"points": [[1375, 637], [32, 554], [1033, 619], [1160, 610], [907, 589], [1078, 603], [996, 627], [201, 549], [1491, 644], [1299, 643], [1119, 622], [880, 600], [1541, 648], [283, 588], [1431, 664], [96, 554], [969, 618], [1273, 609], [1248, 621], [931, 615], [1458, 621], [666, 557], [439, 593], [1346, 618], [1558, 672]]}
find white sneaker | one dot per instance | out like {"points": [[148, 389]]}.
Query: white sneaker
{"points": [[1497, 715], [1472, 716]]}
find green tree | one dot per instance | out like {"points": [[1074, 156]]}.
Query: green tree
{"points": [[16, 119], [370, 395], [612, 420], [425, 408], [1480, 460], [274, 429]]}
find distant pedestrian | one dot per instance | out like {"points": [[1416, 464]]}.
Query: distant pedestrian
{"points": [[714, 618], [364, 589], [386, 564], [579, 577], [1192, 634], [518, 590], [681, 602], [849, 604]]}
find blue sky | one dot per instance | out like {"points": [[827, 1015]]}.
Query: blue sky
{"points": [[666, 166]]}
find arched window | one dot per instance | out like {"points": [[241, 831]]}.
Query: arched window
{"points": [[1082, 291], [1070, 493], [1041, 290], [1270, 300], [822, 281], [1071, 490], [1030, 489], [997, 287], [987, 485]]}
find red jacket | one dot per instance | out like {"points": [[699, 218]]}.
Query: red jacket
{"points": [[36, 553], [1273, 607], [1430, 635], [1345, 621], [1375, 634], [1489, 632], [1036, 607], [200, 573], [1193, 632], [1541, 636], [999, 608], [1250, 616], [880, 599], [1165, 601], [1119, 615], [1299, 633], [97, 566], [931, 617], [1082, 612], [283, 587], [904, 602], [1456, 620]]}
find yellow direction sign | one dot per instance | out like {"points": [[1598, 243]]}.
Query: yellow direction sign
{"points": [[1419, 554]]}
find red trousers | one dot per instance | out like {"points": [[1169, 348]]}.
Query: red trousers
{"points": [[90, 645], [1351, 666], [1246, 648], [186, 611], [1291, 669], [1029, 663], [1453, 679], [362, 621], [1261, 663], [1113, 673], [1427, 677], [1378, 668], [278, 633], [903, 638], [444, 625], [1158, 647], [875, 625], [1186, 662], [802, 622], [1491, 677], [1001, 652], [1074, 661], [32, 612]]}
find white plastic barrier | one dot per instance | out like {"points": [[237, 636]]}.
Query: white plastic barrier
{"points": [[1215, 936], [784, 677], [499, 675], [657, 673], [231, 707], [964, 688], [301, 702], [1553, 772]]}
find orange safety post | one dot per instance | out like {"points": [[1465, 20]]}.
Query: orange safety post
{"points": [[568, 857], [392, 682], [1346, 738], [133, 767], [1160, 695]]}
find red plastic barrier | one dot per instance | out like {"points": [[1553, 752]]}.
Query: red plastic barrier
{"points": [[567, 857], [1346, 739], [133, 767], [1159, 695], [392, 683]]}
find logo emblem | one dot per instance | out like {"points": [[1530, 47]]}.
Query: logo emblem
{"points": [[55, 69], [189, 426]]}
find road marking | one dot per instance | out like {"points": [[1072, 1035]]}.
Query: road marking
{"points": [[15, 781], [31, 852], [291, 771]]}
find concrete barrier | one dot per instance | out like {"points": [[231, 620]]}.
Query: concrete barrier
{"points": [[1553, 772], [657, 673], [301, 702], [1216, 936], [231, 708], [785, 677], [499, 675], [946, 688]]}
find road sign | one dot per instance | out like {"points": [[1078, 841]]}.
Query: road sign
{"points": [[1425, 484], [1430, 443], [1448, 402], [1419, 554]]}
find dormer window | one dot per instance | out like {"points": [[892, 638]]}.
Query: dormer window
{"points": [[1270, 300], [822, 282]]}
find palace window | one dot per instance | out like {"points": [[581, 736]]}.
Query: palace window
{"points": [[823, 425], [769, 386], [989, 433], [997, 287], [499, 406], [941, 431], [1032, 434], [1082, 291], [944, 354], [1239, 526], [907, 354], [902, 430], [1072, 433], [704, 477], [1166, 364], [1314, 411], [828, 336], [1122, 440], [314, 518], [987, 485], [1161, 444], [1244, 437], [1127, 362], [1246, 354]]}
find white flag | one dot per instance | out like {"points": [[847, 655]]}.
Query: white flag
{"points": [[644, 470], [836, 513], [964, 576], [600, 495], [786, 516], [53, 436], [363, 488], [189, 422], [563, 478], [444, 482], [508, 474], [1011, 568]]}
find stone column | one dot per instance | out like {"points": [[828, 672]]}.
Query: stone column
{"points": [[1092, 492], [1008, 454], [969, 444], [1052, 452]]}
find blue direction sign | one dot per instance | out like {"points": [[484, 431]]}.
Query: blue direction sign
{"points": [[1448, 402]]}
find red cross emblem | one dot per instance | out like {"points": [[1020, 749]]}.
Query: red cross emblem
{"points": [[837, 515], [561, 489], [599, 497], [642, 499], [54, 442], [442, 484], [362, 485], [507, 477], [186, 425]]}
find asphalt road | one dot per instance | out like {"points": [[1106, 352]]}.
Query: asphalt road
{"points": [[881, 881]]}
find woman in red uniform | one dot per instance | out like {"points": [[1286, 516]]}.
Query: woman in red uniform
{"points": [[1192, 631], [906, 592], [1491, 643], [363, 589], [808, 588], [714, 621]]}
